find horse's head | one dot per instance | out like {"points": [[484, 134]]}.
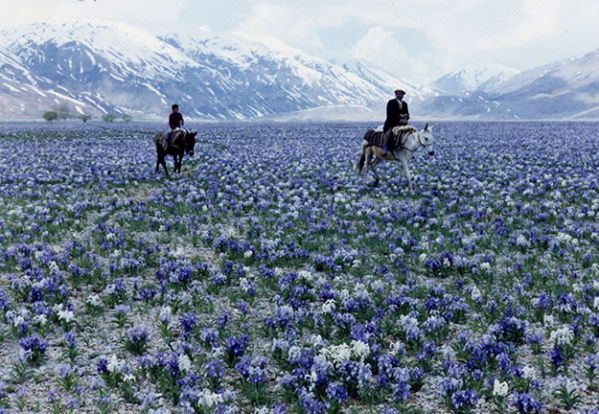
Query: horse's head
{"points": [[426, 139], [190, 142]]}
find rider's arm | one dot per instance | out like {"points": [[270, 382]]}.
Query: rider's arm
{"points": [[390, 109]]}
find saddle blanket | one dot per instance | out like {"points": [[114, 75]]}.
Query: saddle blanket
{"points": [[374, 137], [161, 137], [400, 134]]}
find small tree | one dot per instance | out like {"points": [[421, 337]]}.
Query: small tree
{"points": [[85, 117], [127, 118], [108, 118], [50, 116], [63, 111]]}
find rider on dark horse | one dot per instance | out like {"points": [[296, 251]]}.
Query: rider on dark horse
{"points": [[175, 120], [177, 141], [397, 115]]}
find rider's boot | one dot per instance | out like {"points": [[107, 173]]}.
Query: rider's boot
{"points": [[385, 150]]}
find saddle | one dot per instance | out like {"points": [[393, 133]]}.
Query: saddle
{"points": [[400, 135], [161, 138]]}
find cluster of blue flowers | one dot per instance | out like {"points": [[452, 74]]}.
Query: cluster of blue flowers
{"points": [[267, 278]]}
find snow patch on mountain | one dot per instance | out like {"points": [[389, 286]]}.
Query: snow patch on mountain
{"points": [[474, 78], [100, 67], [559, 76]]}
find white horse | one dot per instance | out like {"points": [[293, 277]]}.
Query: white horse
{"points": [[414, 139]]}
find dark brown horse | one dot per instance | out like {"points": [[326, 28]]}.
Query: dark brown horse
{"points": [[182, 142]]}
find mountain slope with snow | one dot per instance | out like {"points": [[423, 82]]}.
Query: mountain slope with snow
{"points": [[474, 78], [576, 72], [386, 82], [565, 89], [98, 67], [103, 67], [562, 89]]}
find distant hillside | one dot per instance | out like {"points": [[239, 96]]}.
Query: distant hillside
{"points": [[99, 67]]}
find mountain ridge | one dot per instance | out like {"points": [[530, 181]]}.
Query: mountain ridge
{"points": [[99, 67], [117, 68]]}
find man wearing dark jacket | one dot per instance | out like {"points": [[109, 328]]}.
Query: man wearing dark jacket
{"points": [[397, 114], [175, 120]]}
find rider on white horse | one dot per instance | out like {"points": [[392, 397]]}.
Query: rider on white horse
{"points": [[408, 140]]}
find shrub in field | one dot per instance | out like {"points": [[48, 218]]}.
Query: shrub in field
{"points": [[50, 116]]}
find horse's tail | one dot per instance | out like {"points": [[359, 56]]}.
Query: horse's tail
{"points": [[361, 161]]}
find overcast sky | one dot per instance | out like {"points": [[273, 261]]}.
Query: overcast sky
{"points": [[417, 40]]}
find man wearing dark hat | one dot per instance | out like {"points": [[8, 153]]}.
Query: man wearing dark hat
{"points": [[397, 114]]}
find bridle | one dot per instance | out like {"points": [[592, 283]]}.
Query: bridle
{"points": [[186, 142], [420, 143]]}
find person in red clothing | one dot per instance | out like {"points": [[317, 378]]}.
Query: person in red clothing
{"points": [[175, 120]]}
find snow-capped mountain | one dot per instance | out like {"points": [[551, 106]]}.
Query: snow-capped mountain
{"points": [[101, 67], [98, 67], [577, 72], [567, 88], [387, 82], [474, 78], [268, 80]]}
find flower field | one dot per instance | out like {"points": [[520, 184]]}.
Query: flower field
{"points": [[268, 278]]}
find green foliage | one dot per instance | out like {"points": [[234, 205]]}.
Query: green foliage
{"points": [[20, 372], [108, 118], [569, 397], [50, 116]]}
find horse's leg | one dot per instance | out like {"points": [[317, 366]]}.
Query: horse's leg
{"points": [[157, 159], [360, 163], [406, 170], [160, 159], [367, 161], [163, 162], [401, 171], [373, 165]]}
